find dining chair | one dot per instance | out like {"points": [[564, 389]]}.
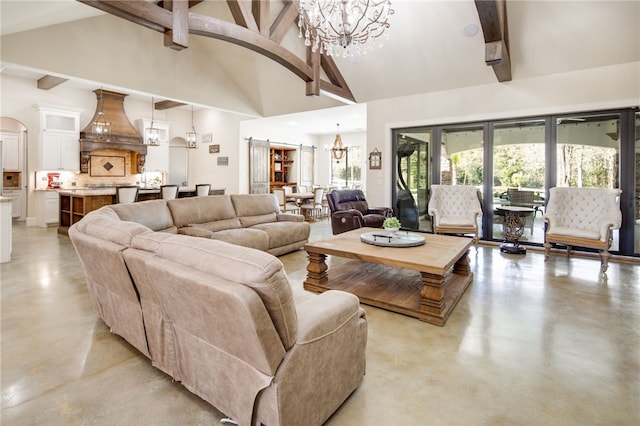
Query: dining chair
{"points": [[312, 209], [169, 192], [203, 189], [127, 194], [284, 206]]}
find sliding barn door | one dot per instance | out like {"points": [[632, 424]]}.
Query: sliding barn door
{"points": [[258, 167], [306, 166]]}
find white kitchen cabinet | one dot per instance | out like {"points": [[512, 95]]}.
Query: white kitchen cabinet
{"points": [[157, 159], [17, 205], [47, 208], [11, 152], [58, 138], [59, 151]]}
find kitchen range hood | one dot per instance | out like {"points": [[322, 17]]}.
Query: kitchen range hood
{"points": [[123, 135]]}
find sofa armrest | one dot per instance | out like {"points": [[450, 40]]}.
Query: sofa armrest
{"points": [[321, 316], [384, 211], [289, 217], [348, 213], [194, 231]]}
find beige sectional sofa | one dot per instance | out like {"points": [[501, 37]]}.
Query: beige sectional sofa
{"points": [[221, 318], [249, 220]]}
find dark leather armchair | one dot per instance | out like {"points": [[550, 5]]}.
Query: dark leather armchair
{"points": [[349, 210]]}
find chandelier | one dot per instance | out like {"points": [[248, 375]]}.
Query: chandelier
{"points": [[338, 150], [192, 135], [152, 134], [330, 24]]}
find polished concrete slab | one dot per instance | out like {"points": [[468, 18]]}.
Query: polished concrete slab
{"points": [[529, 343]]}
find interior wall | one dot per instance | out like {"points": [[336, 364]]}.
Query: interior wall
{"points": [[588, 90], [203, 166]]}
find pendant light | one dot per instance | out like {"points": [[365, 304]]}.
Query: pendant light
{"points": [[192, 135], [152, 134], [338, 148], [101, 128]]}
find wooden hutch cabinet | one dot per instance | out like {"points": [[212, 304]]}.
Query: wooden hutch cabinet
{"points": [[282, 161]]}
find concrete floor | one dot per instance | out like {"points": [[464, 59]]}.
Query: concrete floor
{"points": [[529, 343]]}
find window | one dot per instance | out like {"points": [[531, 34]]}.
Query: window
{"points": [[347, 172]]}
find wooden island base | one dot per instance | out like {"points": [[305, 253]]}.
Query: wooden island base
{"points": [[424, 282]]}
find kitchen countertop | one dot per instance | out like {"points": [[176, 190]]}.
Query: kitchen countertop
{"points": [[112, 191]]}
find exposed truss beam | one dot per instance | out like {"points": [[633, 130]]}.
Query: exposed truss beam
{"points": [[493, 19], [250, 31]]}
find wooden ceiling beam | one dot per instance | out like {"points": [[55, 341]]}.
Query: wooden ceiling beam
{"points": [[248, 32], [162, 105], [242, 15], [260, 10], [282, 23], [313, 59], [177, 37], [493, 20], [48, 82]]}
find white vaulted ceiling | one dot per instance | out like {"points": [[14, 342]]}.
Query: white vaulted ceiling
{"points": [[426, 52]]}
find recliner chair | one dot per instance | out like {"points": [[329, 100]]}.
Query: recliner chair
{"points": [[350, 210]]}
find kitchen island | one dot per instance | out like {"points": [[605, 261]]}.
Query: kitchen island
{"points": [[76, 203]]}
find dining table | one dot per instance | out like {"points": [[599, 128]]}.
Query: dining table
{"points": [[300, 197]]}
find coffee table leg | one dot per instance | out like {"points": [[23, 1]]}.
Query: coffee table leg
{"points": [[316, 272], [432, 293], [461, 267]]}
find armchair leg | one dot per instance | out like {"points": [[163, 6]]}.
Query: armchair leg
{"points": [[568, 250], [604, 257], [547, 250]]}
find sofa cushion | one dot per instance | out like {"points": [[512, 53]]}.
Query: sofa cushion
{"points": [[107, 226], [281, 234], [153, 214], [219, 225], [248, 221], [245, 237], [254, 204], [192, 210], [256, 269]]}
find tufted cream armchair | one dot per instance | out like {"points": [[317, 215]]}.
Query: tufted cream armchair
{"points": [[454, 209], [582, 217]]}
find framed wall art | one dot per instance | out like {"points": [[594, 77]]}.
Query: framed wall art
{"points": [[375, 159]]}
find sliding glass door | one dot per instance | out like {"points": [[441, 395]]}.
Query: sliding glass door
{"points": [[411, 194], [519, 176], [461, 158], [514, 162], [588, 153]]}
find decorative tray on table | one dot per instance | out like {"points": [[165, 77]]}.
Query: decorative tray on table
{"points": [[392, 239]]}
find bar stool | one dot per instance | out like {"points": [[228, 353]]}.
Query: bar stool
{"points": [[127, 194], [168, 192], [203, 189]]}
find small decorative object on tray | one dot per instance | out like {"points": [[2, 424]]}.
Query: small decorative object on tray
{"points": [[391, 225]]}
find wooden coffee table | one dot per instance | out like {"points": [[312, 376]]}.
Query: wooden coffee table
{"points": [[424, 282]]}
